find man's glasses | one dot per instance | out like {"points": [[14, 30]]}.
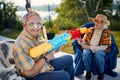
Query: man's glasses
{"points": [[34, 24], [98, 21]]}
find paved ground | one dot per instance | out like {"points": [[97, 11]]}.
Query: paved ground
{"points": [[5, 38], [82, 77], [95, 77], [107, 77]]}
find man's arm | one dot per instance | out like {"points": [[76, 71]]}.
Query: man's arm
{"points": [[37, 66]]}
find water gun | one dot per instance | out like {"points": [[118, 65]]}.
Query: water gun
{"points": [[57, 41]]}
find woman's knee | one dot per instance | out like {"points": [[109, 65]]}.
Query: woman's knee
{"points": [[87, 53], [100, 54], [99, 57]]}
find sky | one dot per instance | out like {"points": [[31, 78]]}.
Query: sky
{"points": [[35, 2]]}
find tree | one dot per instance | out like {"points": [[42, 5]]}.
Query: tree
{"points": [[99, 6], [116, 8], [70, 14], [77, 12], [8, 18]]}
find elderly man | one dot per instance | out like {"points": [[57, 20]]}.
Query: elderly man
{"points": [[60, 68]]}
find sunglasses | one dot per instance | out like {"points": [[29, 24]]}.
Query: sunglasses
{"points": [[34, 24], [98, 21]]}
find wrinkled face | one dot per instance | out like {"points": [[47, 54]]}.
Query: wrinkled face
{"points": [[33, 25], [98, 24]]}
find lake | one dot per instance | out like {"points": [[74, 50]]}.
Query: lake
{"points": [[44, 14]]}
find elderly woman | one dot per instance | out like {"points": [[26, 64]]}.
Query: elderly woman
{"points": [[96, 43]]}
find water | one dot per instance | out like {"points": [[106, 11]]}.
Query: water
{"points": [[44, 14]]}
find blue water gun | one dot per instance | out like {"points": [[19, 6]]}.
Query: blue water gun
{"points": [[57, 41]]}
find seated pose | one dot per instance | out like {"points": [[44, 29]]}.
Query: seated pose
{"points": [[110, 57], [96, 43], [45, 67]]}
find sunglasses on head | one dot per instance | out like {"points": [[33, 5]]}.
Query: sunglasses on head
{"points": [[98, 21], [34, 24]]}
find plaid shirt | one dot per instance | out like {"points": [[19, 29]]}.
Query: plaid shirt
{"points": [[21, 48]]}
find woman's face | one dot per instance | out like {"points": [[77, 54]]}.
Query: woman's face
{"points": [[98, 24], [33, 25]]}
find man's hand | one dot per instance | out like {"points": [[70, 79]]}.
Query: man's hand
{"points": [[60, 48], [50, 55]]}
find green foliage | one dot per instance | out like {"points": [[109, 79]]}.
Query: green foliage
{"points": [[70, 14], [94, 7], [65, 24], [49, 23], [73, 13], [8, 18], [1, 19], [52, 30], [14, 34], [117, 39], [18, 24], [115, 26], [51, 27]]}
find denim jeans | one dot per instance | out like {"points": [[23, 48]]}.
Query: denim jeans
{"points": [[63, 70], [98, 57]]}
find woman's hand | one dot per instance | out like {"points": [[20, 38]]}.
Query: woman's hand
{"points": [[86, 46], [79, 40]]}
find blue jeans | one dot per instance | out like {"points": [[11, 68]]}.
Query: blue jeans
{"points": [[98, 57], [63, 70]]}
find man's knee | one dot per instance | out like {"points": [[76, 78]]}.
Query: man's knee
{"points": [[87, 54], [68, 59], [64, 75]]}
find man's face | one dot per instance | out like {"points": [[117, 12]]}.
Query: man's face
{"points": [[33, 25], [98, 24]]}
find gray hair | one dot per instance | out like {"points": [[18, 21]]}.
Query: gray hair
{"points": [[105, 26], [29, 14]]}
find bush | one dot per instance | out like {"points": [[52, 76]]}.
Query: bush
{"points": [[48, 24], [8, 17], [115, 26], [65, 24], [51, 27]]}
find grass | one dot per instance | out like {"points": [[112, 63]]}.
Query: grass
{"points": [[14, 34], [117, 39], [68, 47]]}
